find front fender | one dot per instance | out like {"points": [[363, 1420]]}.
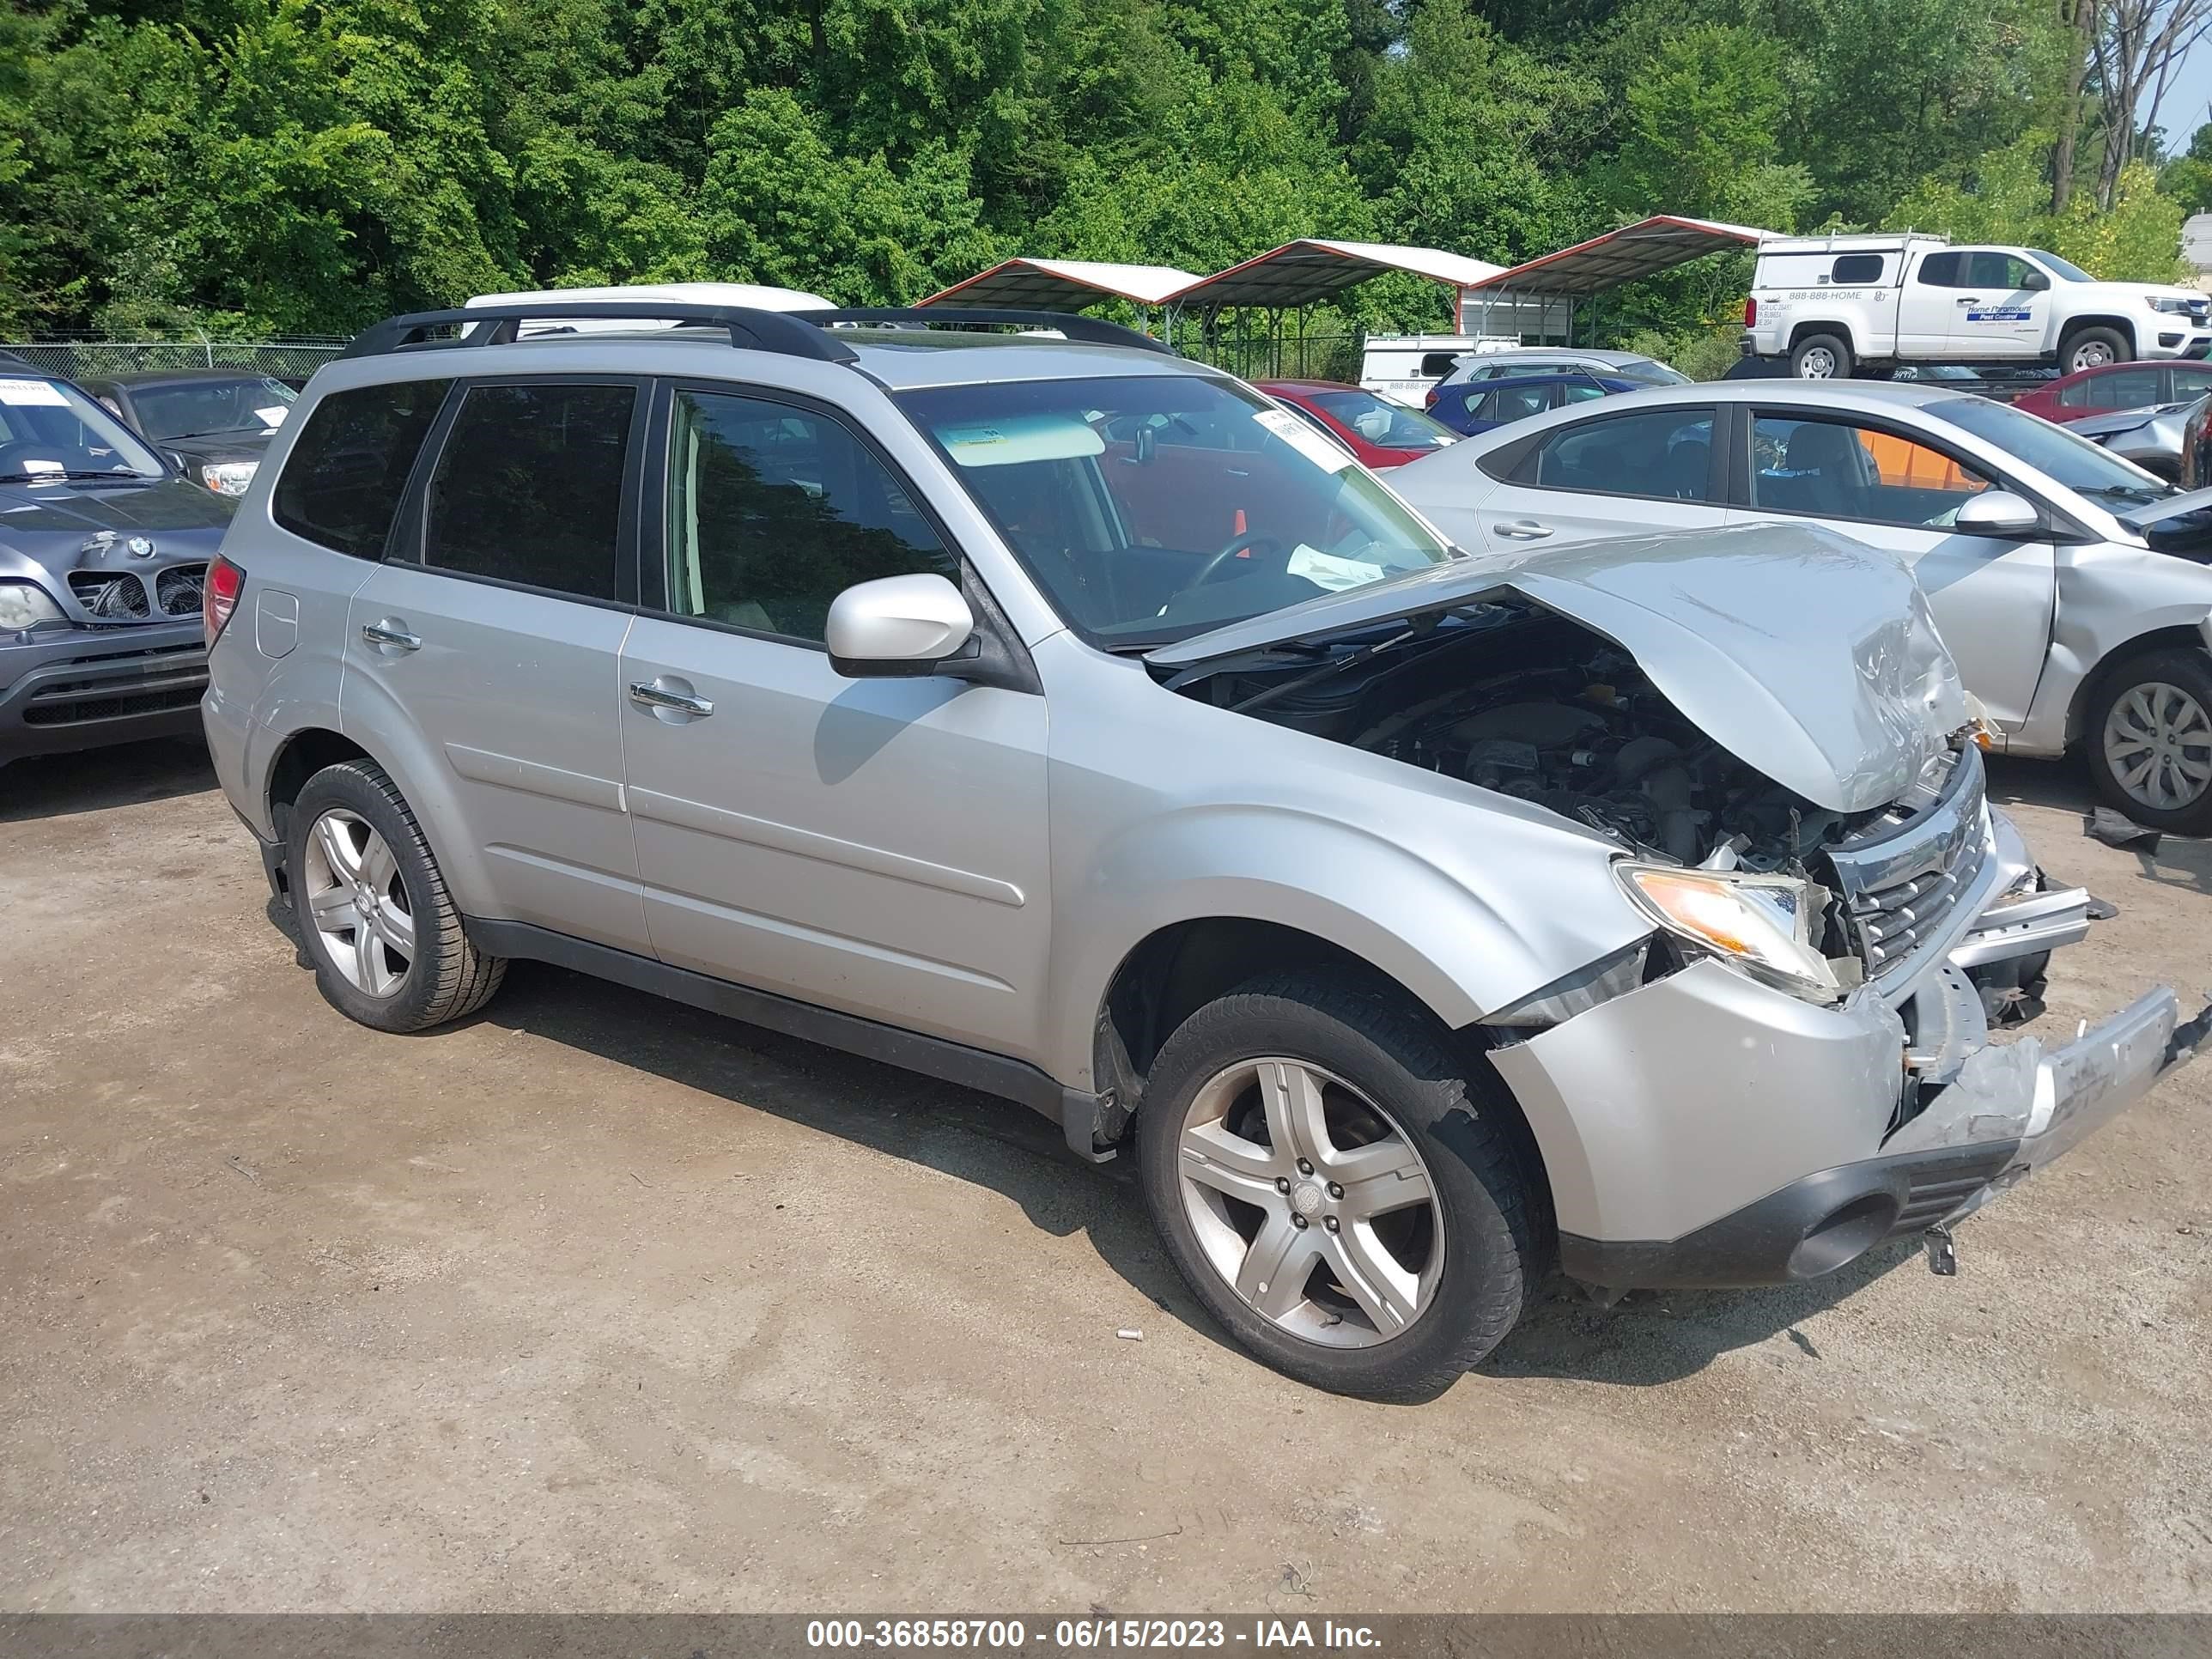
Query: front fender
{"points": [[1464, 934], [2109, 596]]}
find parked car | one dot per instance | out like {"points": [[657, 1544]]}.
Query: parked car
{"points": [[214, 423], [1062, 717], [103, 550], [2072, 587], [1831, 305], [1472, 406], [1377, 432], [2112, 387], [2153, 438], [1556, 360]]}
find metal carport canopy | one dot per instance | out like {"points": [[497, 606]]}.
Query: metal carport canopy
{"points": [[1657, 244], [1304, 272], [1062, 285]]}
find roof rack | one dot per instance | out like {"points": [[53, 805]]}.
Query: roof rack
{"points": [[748, 329], [1087, 330], [791, 333]]}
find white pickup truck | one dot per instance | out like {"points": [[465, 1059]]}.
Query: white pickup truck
{"points": [[1831, 304]]}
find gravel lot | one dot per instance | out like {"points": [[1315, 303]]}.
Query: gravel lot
{"points": [[602, 1303]]}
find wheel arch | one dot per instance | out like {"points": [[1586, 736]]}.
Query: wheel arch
{"points": [[2094, 684], [2125, 327], [1841, 329], [1178, 967]]}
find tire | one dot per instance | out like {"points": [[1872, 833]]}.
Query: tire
{"points": [[1393, 1092], [2093, 347], [2149, 740], [349, 811], [1820, 357]]}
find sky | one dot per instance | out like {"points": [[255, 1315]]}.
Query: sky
{"points": [[2186, 105]]}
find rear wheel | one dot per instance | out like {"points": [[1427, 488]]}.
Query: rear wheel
{"points": [[2093, 347], [2150, 740], [1820, 357], [1333, 1190], [378, 926]]}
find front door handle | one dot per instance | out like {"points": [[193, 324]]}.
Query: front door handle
{"points": [[664, 696], [1524, 530], [389, 635], [1974, 301]]}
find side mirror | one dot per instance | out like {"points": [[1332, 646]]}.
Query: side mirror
{"points": [[1998, 513], [896, 627], [2035, 281]]}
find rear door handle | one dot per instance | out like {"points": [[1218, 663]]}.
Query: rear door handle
{"points": [[660, 697], [1524, 530], [389, 635]]}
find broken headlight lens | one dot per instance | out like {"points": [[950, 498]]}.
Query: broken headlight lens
{"points": [[1763, 924], [24, 605]]}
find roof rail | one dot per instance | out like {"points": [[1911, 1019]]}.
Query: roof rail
{"points": [[1087, 330], [748, 329]]}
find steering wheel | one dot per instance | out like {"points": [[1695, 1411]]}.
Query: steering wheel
{"points": [[1230, 549]]}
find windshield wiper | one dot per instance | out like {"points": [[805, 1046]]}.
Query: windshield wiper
{"points": [[212, 432], [75, 472]]}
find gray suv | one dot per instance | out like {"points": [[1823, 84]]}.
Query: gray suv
{"points": [[1056, 716]]}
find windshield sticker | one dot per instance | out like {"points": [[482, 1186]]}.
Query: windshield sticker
{"points": [[26, 394], [1020, 439], [1330, 572], [273, 416], [1304, 439], [38, 466]]}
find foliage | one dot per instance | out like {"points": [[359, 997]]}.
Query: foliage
{"points": [[233, 167]]}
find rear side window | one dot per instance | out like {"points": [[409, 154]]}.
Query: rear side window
{"points": [[1851, 267], [343, 482], [529, 486], [2123, 388], [1944, 270], [1666, 452]]}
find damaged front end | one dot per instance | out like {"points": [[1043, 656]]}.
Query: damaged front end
{"points": [[1797, 1062]]}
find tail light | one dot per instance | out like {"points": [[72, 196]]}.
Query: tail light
{"points": [[1751, 311], [1430, 400], [225, 582]]}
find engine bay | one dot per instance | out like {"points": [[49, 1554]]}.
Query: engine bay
{"points": [[1519, 701]]}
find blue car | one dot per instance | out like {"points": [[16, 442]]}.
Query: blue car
{"points": [[1472, 406]]}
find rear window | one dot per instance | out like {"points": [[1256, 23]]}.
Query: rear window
{"points": [[1857, 268], [342, 483]]}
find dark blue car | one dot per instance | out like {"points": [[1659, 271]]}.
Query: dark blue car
{"points": [[1472, 406]]}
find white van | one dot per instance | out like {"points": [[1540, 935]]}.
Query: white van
{"points": [[1403, 366]]}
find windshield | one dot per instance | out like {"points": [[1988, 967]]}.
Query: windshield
{"points": [[50, 431], [1150, 509], [2074, 462], [1645, 371], [200, 409], [2058, 267], [1385, 425]]}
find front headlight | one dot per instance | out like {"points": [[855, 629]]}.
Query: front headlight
{"points": [[2162, 302], [1763, 924], [24, 605], [228, 478]]}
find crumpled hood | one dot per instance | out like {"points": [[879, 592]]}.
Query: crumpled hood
{"points": [[1808, 656]]}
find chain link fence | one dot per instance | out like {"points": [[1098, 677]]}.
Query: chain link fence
{"points": [[78, 360]]}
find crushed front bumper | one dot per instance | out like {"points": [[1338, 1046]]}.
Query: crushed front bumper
{"points": [[82, 688]]}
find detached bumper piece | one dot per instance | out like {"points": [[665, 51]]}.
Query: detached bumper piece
{"points": [[2011, 1110]]}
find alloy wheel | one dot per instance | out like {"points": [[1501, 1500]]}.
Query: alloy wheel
{"points": [[1310, 1203], [355, 900], [2158, 744]]}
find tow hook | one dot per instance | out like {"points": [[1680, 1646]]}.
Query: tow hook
{"points": [[1942, 1252]]}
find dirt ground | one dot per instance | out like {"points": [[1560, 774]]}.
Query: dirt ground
{"points": [[598, 1303]]}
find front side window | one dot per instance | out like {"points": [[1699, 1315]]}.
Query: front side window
{"points": [[1143, 523], [207, 407], [528, 488], [773, 510], [50, 431], [342, 482], [2123, 388], [1512, 403], [1990, 269], [1664, 452], [1836, 470]]}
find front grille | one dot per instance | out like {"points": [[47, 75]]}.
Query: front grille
{"points": [[121, 687], [1901, 882], [177, 590], [110, 595]]}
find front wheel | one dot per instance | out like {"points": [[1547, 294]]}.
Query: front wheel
{"points": [[1333, 1188], [2093, 347], [2150, 740]]}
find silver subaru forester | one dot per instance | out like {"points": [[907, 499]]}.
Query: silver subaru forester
{"points": [[1046, 713]]}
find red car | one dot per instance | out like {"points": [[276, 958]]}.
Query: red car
{"points": [[2109, 386], [1379, 432]]}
